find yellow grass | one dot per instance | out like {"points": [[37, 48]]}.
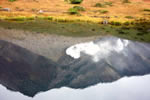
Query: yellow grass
{"points": [[58, 10]]}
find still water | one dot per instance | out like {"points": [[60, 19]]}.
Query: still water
{"points": [[132, 88]]}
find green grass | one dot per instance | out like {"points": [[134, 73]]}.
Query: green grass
{"points": [[139, 32]]}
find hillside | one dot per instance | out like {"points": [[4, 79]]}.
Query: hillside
{"points": [[111, 8], [128, 19]]}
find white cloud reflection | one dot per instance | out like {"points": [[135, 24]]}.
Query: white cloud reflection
{"points": [[97, 50]]}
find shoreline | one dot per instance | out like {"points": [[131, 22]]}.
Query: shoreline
{"points": [[14, 16], [138, 31]]}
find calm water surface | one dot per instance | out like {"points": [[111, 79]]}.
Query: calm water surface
{"points": [[133, 88]]}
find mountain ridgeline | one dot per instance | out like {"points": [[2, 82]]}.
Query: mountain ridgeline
{"points": [[29, 73]]}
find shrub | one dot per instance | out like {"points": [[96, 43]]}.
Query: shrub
{"points": [[125, 28], [112, 23], [103, 4], [103, 11], [66, 0], [121, 32], [99, 5], [148, 10], [11, 0], [75, 1], [73, 11], [34, 10], [79, 8], [125, 1], [49, 18], [108, 3], [126, 23], [140, 33], [132, 23], [129, 17], [30, 18], [17, 8], [117, 23]]}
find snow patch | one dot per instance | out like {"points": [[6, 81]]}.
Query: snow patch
{"points": [[89, 48]]}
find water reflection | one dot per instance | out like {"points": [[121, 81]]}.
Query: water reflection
{"points": [[29, 73], [133, 88]]}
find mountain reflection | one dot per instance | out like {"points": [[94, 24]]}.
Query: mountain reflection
{"points": [[29, 73]]}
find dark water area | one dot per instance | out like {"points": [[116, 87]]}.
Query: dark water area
{"points": [[28, 73]]}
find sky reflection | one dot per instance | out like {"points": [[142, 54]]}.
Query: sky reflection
{"points": [[133, 88]]}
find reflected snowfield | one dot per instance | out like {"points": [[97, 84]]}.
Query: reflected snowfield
{"points": [[132, 88], [98, 50]]}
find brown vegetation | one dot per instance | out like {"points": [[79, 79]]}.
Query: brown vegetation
{"points": [[59, 7]]}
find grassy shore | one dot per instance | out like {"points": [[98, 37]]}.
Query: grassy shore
{"points": [[127, 19], [135, 30]]}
